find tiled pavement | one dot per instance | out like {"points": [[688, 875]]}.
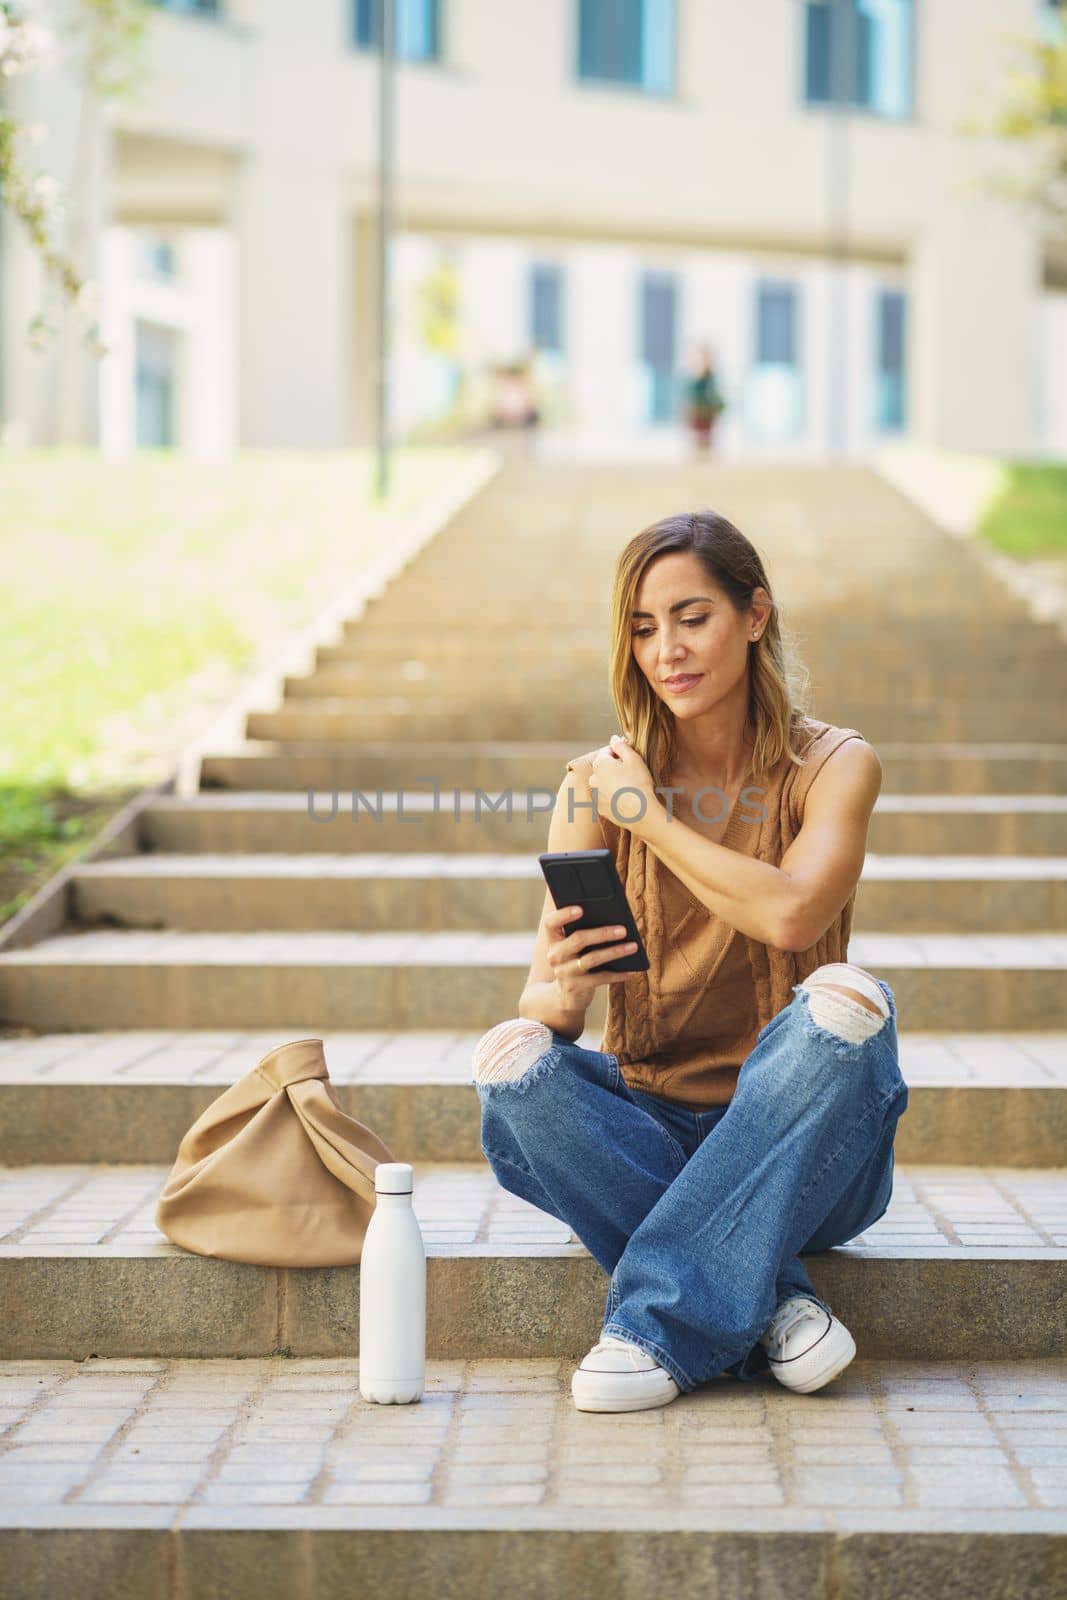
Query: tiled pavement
{"points": [[108, 1210], [168, 1055], [90, 946], [203, 1443]]}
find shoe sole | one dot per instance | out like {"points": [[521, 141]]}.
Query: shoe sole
{"points": [[815, 1373], [599, 1397]]}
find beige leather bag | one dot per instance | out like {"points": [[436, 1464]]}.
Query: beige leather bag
{"points": [[275, 1171]]}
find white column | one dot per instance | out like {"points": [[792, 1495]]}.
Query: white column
{"points": [[604, 341], [294, 233], [209, 386], [295, 279], [975, 288]]}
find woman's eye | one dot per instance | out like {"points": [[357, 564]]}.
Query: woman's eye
{"points": [[687, 622]]}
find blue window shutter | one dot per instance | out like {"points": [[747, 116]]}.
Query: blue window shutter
{"points": [[863, 88], [207, 8], [885, 85], [818, 40], [858, 52], [891, 331], [776, 324], [890, 355], [657, 45], [609, 40], [658, 343], [416, 28], [658, 319], [546, 307], [364, 19]]}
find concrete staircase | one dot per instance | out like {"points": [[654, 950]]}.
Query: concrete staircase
{"points": [[176, 1425]]}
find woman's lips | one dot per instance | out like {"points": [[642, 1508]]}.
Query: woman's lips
{"points": [[680, 685]]}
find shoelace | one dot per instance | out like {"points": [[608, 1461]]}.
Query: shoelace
{"points": [[613, 1343], [788, 1315]]}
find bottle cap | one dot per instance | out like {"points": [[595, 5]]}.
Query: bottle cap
{"points": [[394, 1177]]}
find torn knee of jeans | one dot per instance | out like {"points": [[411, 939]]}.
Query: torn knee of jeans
{"points": [[841, 1013], [518, 1049]]}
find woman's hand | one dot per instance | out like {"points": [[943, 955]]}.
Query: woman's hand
{"points": [[618, 767], [575, 967]]}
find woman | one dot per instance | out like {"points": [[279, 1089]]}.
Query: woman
{"points": [[704, 400], [745, 1103]]}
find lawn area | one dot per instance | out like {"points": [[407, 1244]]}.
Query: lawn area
{"points": [[1028, 515], [138, 597]]}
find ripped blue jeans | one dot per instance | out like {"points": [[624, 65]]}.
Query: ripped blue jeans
{"points": [[700, 1217]]}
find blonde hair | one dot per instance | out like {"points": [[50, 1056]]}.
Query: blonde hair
{"points": [[779, 683]]}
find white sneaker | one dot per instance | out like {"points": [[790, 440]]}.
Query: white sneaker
{"points": [[619, 1376], [806, 1346]]}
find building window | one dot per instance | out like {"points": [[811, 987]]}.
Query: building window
{"points": [[157, 257], [1052, 21], [200, 8], [628, 42], [157, 366], [775, 390], [889, 373], [546, 307], [859, 53], [659, 343], [416, 28], [776, 325]]}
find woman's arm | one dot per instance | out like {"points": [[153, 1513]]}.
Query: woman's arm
{"points": [[789, 906]]}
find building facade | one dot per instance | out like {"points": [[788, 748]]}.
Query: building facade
{"points": [[590, 187]]}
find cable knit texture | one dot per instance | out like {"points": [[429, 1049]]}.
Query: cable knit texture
{"points": [[684, 1028]]}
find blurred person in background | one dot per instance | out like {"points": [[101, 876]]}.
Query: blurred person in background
{"points": [[513, 403], [704, 399]]}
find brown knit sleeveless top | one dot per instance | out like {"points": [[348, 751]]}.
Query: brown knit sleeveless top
{"points": [[683, 1029]]}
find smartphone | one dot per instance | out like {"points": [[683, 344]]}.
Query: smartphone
{"points": [[590, 879]]}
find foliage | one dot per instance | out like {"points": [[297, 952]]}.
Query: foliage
{"points": [[140, 600], [1029, 516], [106, 36], [1033, 113], [438, 297]]}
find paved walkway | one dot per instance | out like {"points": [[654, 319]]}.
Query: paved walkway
{"points": [[147, 1394], [197, 1444]]}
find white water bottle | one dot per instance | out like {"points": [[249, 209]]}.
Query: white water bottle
{"points": [[392, 1293]]}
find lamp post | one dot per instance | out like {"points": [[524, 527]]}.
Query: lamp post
{"points": [[842, 74], [386, 53]]}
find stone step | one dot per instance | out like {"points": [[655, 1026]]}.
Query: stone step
{"points": [[987, 770], [865, 623], [458, 647], [419, 716], [405, 821], [505, 892], [479, 683], [502, 598], [974, 1098], [991, 711], [272, 1477], [117, 979], [968, 1263]]}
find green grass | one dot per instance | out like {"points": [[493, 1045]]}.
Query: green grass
{"points": [[1029, 516], [138, 595]]}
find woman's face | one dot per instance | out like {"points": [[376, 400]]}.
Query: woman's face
{"points": [[691, 629]]}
